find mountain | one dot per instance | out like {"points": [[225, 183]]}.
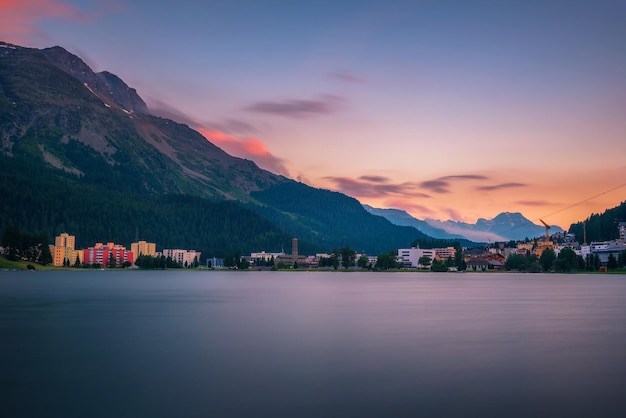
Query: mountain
{"points": [[81, 153], [400, 217], [504, 227], [56, 110]]}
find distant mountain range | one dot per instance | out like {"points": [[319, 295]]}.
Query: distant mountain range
{"points": [[504, 227]]}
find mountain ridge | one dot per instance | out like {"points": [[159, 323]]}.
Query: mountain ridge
{"points": [[505, 226], [59, 118]]}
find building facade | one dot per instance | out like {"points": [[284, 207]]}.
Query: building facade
{"points": [[109, 255], [63, 251], [143, 248], [185, 258], [409, 257]]}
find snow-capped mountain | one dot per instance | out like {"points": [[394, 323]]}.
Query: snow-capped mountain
{"points": [[504, 227]]}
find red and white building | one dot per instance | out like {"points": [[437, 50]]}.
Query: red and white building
{"points": [[108, 255]]}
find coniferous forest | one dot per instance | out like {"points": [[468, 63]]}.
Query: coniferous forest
{"points": [[37, 200]]}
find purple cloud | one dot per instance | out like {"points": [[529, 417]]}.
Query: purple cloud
{"points": [[441, 184], [436, 186], [464, 177], [501, 186], [375, 186], [375, 179], [346, 77], [299, 108]]}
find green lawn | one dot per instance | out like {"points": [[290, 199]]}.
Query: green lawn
{"points": [[6, 264]]}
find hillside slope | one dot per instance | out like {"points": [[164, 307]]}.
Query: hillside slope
{"points": [[91, 132]]}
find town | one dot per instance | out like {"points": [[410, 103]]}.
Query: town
{"points": [[557, 252]]}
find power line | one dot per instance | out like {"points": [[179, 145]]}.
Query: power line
{"points": [[582, 201]]}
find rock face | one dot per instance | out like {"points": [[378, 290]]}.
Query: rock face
{"points": [[106, 85], [57, 110]]}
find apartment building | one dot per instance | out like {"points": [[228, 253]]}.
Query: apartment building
{"points": [[183, 257], [63, 250], [143, 248], [109, 255]]}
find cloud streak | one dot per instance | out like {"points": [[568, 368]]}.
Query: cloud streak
{"points": [[346, 77], [441, 185], [249, 148], [501, 186], [375, 187], [534, 203], [375, 179], [299, 109]]}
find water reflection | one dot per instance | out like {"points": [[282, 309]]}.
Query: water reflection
{"points": [[235, 344]]}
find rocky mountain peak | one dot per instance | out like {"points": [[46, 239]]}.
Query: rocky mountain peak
{"points": [[105, 84]]}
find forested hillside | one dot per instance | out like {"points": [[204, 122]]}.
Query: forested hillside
{"points": [[601, 227], [38, 200], [331, 219]]}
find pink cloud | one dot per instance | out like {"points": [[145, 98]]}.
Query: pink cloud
{"points": [[18, 18], [250, 148]]}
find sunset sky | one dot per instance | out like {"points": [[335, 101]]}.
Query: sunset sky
{"points": [[446, 109]]}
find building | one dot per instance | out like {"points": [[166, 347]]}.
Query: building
{"points": [[409, 257], [477, 264], [185, 258], [143, 248], [215, 262], [445, 253], [63, 251], [606, 248], [109, 255], [295, 259], [265, 256]]}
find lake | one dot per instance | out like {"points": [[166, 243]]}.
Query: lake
{"points": [[318, 344]]}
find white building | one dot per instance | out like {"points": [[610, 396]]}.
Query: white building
{"points": [[409, 257], [606, 248], [183, 257], [265, 256]]}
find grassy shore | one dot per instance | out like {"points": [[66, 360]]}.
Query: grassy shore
{"points": [[6, 264]]}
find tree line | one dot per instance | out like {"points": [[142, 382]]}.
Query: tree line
{"points": [[566, 261], [28, 247]]}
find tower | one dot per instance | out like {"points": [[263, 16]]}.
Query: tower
{"points": [[294, 247]]}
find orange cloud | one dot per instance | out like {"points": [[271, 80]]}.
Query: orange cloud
{"points": [[250, 148]]}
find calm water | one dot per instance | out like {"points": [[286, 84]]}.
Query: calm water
{"points": [[252, 344]]}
